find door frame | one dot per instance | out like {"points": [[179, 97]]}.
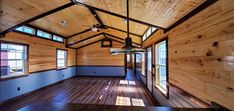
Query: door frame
{"points": [[146, 67], [167, 64]]}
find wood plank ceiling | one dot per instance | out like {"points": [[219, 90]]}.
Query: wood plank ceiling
{"points": [[161, 13], [77, 17], [13, 12]]}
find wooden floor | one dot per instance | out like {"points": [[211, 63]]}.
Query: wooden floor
{"points": [[89, 90]]}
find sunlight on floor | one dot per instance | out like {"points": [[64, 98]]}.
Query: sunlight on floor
{"points": [[126, 82], [100, 97], [123, 101], [123, 82], [131, 82], [137, 102], [126, 101]]}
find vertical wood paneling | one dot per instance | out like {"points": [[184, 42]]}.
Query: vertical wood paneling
{"points": [[42, 53], [95, 55], [201, 57]]}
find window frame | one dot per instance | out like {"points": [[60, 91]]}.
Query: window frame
{"points": [[36, 29], [43, 33], [54, 36], [146, 36], [143, 71], [66, 59], [128, 57], [167, 69], [26, 64]]}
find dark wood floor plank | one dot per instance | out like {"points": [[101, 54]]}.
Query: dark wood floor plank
{"points": [[85, 90]]}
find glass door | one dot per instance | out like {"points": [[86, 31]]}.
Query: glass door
{"points": [[161, 67], [149, 69]]}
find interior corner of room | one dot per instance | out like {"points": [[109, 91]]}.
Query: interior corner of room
{"points": [[108, 54]]}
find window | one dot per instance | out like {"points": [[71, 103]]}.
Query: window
{"points": [[161, 66], [153, 29], [143, 64], [149, 32], [13, 60], [43, 34], [140, 62], [61, 58], [26, 29], [144, 36], [128, 57], [57, 38]]}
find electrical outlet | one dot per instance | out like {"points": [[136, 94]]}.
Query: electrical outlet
{"points": [[18, 89]]}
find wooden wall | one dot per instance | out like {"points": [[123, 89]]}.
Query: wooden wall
{"points": [[94, 55], [42, 53], [201, 59]]}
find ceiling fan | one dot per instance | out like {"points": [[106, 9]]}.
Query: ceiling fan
{"points": [[96, 27]]}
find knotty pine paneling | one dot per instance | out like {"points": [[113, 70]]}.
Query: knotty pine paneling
{"points": [[42, 53], [14, 12], [201, 59], [95, 55], [158, 12]]}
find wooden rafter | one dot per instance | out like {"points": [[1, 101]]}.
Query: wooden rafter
{"points": [[96, 16], [118, 15], [90, 29], [201, 7], [123, 31], [68, 45], [79, 33], [119, 38]]}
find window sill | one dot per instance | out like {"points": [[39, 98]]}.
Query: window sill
{"points": [[161, 90], [12, 77], [61, 68]]}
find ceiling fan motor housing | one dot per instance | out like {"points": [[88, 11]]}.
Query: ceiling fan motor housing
{"points": [[128, 43]]}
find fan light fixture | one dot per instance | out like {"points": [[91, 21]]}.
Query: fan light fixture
{"points": [[128, 48], [94, 29]]}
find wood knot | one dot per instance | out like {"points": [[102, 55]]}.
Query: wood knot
{"points": [[229, 89], [176, 51], [209, 53], [20, 9], [215, 44], [199, 36], [193, 51], [219, 59]]}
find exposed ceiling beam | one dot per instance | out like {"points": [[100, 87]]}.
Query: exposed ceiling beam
{"points": [[89, 44], [68, 45], [123, 31], [90, 29], [79, 33], [113, 39], [201, 7], [118, 15], [38, 17], [119, 38], [96, 16], [98, 41]]}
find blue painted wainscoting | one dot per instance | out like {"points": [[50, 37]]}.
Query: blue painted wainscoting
{"points": [[112, 71], [9, 88]]}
